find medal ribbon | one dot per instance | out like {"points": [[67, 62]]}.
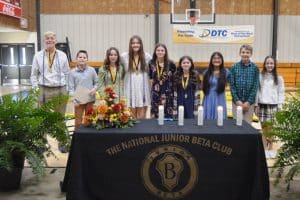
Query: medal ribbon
{"points": [[51, 57], [159, 70], [136, 65], [185, 82], [113, 75]]}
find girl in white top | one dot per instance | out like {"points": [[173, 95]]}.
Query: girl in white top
{"points": [[270, 96], [136, 80]]}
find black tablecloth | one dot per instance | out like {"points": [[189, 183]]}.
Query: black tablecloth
{"points": [[229, 163]]}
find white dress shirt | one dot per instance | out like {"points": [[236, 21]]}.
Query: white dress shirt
{"points": [[41, 74]]}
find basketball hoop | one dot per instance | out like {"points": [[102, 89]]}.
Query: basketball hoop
{"points": [[193, 20], [192, 15]]}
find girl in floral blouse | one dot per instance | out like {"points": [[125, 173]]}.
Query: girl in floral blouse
{"points": [[161, 71]]}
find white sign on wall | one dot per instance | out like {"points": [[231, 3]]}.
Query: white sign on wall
{"points": [[213, 34]]}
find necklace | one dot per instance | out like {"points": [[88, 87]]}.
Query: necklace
{"points": [[185, 83], [136, 65], [113, 75], [159, 70], [51, 57]]}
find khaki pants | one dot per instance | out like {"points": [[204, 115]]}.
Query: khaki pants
{"points": [[247, 116], [47, 93], [79, 111]]}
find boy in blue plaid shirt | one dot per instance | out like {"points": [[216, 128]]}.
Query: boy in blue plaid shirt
{"points": [[244, 80]]}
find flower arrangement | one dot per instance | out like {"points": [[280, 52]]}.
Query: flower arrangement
{"points": [[109, 113]]}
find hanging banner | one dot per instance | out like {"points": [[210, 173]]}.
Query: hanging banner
{"points": [[213, 34], [11, 8]]}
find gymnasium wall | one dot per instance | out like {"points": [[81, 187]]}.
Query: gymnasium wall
{"points": [[96, 25]]}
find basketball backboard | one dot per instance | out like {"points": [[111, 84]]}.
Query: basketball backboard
{"points": [[192, 11]]}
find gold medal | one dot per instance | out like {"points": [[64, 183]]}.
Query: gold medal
{"points": [[51, 57], [136, 66], [159, 72], [113, 75], [185, 82]]}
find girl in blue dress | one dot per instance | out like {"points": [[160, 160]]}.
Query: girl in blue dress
{"points": [[186, 87], [214, 82]]}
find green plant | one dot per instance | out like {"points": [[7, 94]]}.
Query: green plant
{"points": [[24, 128], [287, 130]]}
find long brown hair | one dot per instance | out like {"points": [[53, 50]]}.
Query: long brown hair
{"points": [[166, 57], [274, 71], [107, 61], [141, 54]]}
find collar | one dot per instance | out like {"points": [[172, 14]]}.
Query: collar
{"points": [[48, 50], [80, 70], [245, 65]]}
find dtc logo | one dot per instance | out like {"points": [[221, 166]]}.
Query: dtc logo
{"points": [[169, 172], [213, 33]]}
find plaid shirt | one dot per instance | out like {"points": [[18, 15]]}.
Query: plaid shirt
{"points": [[244, 80]]}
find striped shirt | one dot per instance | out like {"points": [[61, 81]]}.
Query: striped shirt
{"points": [[244, 80]]}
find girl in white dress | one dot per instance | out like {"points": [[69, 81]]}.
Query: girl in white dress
{"points": [[136, 80]]}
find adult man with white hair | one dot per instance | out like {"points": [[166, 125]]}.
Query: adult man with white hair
{"points": [[49, 73], [50, 69]]}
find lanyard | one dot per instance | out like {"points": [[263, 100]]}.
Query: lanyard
{"points": [[113, 75], [159, 70], [185, 83], [51, 58], [136, 65]]}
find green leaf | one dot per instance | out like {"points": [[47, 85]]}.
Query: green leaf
{"points": [[287, 129], [24, 127]]}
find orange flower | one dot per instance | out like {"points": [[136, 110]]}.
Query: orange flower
{"points": [[102, 109], [86, 120], [124, 119], [122, 104]]}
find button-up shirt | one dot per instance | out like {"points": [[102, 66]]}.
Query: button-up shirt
{"points": [[244, 80], [86, 77], [42, 74]]}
